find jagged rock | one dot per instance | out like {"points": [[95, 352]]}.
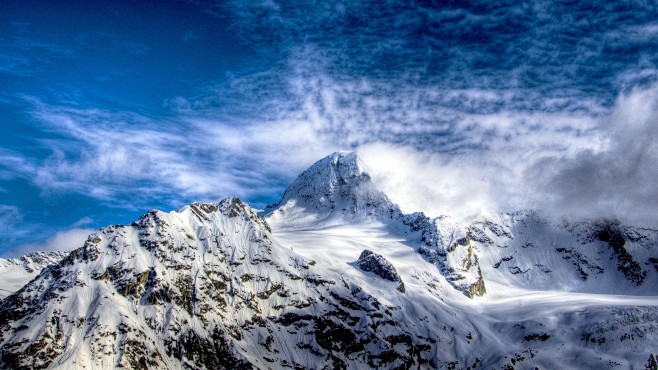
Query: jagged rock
{"points": [[380, 266], [450, 247], [614, 236], [477, 288]]}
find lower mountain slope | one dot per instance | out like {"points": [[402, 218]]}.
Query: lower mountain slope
{"points": [[509, 327]]}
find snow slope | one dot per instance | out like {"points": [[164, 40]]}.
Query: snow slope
{"points": [[508, 327], [16, 272], [218, 286], [527, 264]]}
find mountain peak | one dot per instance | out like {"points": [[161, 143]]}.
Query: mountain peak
{"points": [[325, 176], [332, 190]]}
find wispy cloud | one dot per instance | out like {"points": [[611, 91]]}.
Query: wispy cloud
{"points": [[13, 226], [110, 155], [543, 48], [107, 153], [24, 57], [13, 63], [85, 221], [9, 217], [458, 108]]}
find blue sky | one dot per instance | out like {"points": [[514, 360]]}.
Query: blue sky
{"points": [[109, 109]]}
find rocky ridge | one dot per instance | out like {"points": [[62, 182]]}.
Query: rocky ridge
{"points": [[201, 287]]}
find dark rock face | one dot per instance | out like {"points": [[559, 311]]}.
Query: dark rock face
{"points": [[652, 364], [614, 236], [377, 264]]}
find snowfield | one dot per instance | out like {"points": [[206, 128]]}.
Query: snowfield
{"points": [[503, 318]]}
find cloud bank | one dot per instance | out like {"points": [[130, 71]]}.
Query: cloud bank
{"points": [[617, 181], [605, 172]]}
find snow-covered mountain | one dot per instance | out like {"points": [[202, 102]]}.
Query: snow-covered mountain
{"points": [[16, 272], [336, 276], [332, 191]]}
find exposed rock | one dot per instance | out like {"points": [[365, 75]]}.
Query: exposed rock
{"points": [[614, 236], [477, 288], [380, 266], [652, 364], [450, 247]]}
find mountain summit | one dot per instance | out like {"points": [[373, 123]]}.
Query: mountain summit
{"points": [[333, 190]]}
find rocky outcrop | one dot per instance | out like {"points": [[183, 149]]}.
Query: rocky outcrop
{"points": [[477, 288], [612, 234], [450, 247], [380, 266]]}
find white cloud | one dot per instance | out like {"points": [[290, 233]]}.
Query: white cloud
{"points": [[84, 221], [617, 181], [585, 168], [455, 112], [430, 182], [67, 240]]}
